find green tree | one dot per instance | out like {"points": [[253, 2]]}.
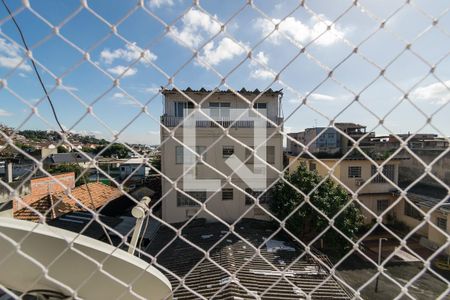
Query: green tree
{"points": [[328, 197], [62, 149], [116, 149]]}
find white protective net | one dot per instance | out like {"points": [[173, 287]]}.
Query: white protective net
{"points": [[345, 213]]}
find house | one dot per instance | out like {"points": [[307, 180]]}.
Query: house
{"points": [[135, 168], [231, 199], [376, 193], [52, 200], [333, 141], [83, 160], [421, 198]]}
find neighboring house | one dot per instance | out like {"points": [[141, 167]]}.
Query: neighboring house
{"points": [[353, 173], [68, 158], [426, 197], [134, 167], [228, 203], [328, 140], [91, 196]]}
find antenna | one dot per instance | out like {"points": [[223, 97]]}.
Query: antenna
{"points": [[47, 263]]}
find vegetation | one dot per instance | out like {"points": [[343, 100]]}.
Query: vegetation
{"points": [[328, 197], [115, 150]]}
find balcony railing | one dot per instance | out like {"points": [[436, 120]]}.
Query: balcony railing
{"points": [[172, 121]]}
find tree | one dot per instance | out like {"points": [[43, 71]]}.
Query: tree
{"points": [[328, 197], [116, 149], [62, 149]]}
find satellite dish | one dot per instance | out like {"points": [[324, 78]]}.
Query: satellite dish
{"points": [[49, 263]]}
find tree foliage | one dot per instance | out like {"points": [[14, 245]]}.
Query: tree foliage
{"points": [[328, 197]]}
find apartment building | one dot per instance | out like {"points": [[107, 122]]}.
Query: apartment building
{"points": [[231, 199], [377, 195]]}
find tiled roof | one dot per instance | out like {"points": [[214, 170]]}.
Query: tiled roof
{"points": [[203, 90], [52, 206]]}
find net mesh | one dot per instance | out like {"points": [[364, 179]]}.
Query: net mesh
{"points": [[208, 271]]}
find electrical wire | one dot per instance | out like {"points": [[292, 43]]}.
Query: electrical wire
{"points": [[34, 66]]}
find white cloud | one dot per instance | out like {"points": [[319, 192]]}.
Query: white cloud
{"points": [[436, 93], [130, 53], [4, 113], [321, 97], [300, 32], [258, 72], [195, 27], [123, 99], [226, 49], [159, 3], [11, 57], [119, 69]]}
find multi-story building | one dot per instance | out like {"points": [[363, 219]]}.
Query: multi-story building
{"points": [[328, 140], [231, 200], [354, 173]]}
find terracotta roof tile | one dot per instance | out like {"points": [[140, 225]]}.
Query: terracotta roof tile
{"points": [[55, 205]]}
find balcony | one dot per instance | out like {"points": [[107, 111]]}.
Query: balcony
{"points": [[172, 121]]}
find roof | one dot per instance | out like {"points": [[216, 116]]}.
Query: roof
{"points": [[254, 272], [205, 91], [92, 196], [71, 157]]}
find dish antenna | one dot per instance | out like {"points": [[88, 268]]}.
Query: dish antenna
{"points": [[42, 258]]}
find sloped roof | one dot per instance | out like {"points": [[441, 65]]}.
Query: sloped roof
{"points": [[205, 91], [92, 196], [71, 157]]}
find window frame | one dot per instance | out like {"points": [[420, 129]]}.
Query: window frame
{"points": [[226, 147], [411, 211], [229, 191], [382, 207], [439, 224], [350, 173], [184, 201]]}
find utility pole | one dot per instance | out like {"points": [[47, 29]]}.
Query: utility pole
{"points": [[380, 240]]}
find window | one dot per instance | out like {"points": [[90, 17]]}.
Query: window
{"points": [[312, 166], [441, 223], [181, 106], [183, 200], [227, 151], [227, 194], [388, 171], [270, 154], [412, 212], [220, 110], [264, 198], [260, 106], [354, 172], [191, 158], [249, 154], [382, 205]]}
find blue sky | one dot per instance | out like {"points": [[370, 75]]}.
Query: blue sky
{"points": [[141, 33]]}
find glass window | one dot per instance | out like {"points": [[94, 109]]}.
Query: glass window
{"points": [[388, 171], [191, 158], [227, 151], [183, 200], [220, 110], [354, 172], [260, 106], [249, 155], [180, 106], [270, 154], [442, 223], [382, 205], [312, 166], [227, 194]]}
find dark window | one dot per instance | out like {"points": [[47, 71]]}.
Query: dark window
{"points": [[227, 194], [181, 106], [227, 151], [382, 205], [183, 200], [388, 171], [354, 172], [270, 154], [441, 223], [312, 166]]}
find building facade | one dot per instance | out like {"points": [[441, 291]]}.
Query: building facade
{"points": [[232, 200], [376, 194]]}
